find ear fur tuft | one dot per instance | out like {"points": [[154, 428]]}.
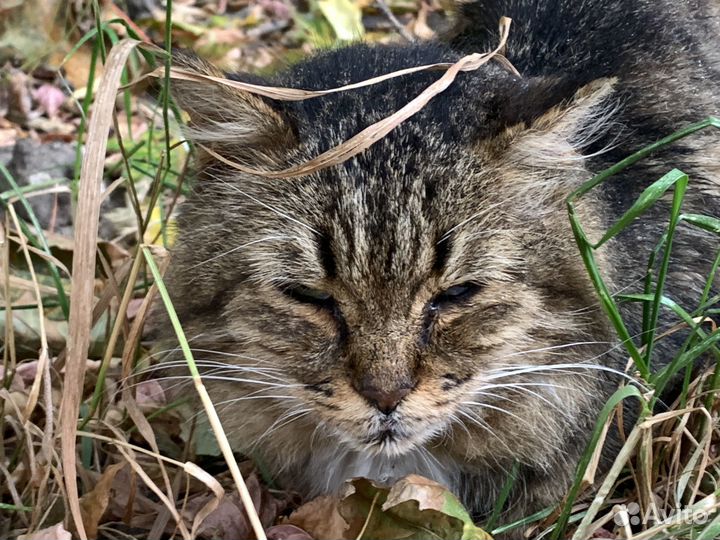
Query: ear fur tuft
{"points": [[541, 159], [558, 136], [226, 117]]}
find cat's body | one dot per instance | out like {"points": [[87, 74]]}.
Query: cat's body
{"points": [[418, 307]]}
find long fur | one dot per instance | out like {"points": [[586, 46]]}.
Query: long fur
{"points": [[469, 191]]}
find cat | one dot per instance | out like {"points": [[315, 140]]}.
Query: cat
{"points": [[422, 307]]}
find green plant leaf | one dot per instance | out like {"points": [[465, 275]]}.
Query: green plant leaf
{"points": [[345, 17], [647, 198], [707, 223]]}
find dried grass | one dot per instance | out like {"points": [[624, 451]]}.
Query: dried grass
{"points": [[671, 458], [87, 219], [371, 134]]}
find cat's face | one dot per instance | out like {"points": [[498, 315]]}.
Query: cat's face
{"points": [[383, 301]]}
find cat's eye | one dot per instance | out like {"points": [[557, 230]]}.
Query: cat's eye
{"points": [[455, 294], [309, 295]]}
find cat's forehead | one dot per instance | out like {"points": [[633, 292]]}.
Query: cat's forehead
{"points": [[385, 216]]}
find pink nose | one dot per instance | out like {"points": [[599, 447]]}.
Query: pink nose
{"points": [[385, 401]]}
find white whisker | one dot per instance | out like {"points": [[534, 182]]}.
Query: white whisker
{"points": [[283, 420], [494, 408], [237, 248], [561, 368]]}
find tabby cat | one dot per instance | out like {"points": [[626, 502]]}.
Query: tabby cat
{"points": [[422, 307]]}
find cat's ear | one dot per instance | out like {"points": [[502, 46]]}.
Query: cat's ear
{"points": [[552, 131], [541, 155], [226, 118]]}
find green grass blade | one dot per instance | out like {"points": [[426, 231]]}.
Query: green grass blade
{"points": [[14, 508], [39, 241], [172, 314], [711, 531], [711, 121], [84, 108], [681, 181], [648, 286], [647, 198], [537, 516], [619, 396], [606, 298], [503, 497], [587, 248], [707, 223]]}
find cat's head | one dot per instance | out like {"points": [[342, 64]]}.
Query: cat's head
{"points": [[409, 289]]}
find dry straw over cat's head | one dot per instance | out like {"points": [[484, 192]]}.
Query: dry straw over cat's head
{"points": [[675, 462]]}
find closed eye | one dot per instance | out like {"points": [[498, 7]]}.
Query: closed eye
{"points": [[309, 295], [457, 294]]}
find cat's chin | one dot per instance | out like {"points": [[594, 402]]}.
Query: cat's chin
{"points": [[392, 438], [390, 443], [330, 465]]}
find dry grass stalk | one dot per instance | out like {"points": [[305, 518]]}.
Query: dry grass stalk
{"points": [[208, 406], [83, 271], [371, 134], [127, 450], [49, 258], [298, 94], [44, 358], [686, 468], [41, 472], [9, 357]]}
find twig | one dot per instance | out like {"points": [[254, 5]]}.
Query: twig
{"points": [[394, 20]]}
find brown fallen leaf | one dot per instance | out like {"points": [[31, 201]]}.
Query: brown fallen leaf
{"points": [[26, 372], [321, 518], [56, 532], [289, 532], [229, 519], [94, 503], [150, 395], [130, 502], [19, 99], [427, 493], [413, 509]]}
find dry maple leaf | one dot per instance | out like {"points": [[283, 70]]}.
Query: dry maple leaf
{"points": [[413, 508]]}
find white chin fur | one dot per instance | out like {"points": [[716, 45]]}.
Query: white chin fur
{"points": [[329, 467], [335, 461]]}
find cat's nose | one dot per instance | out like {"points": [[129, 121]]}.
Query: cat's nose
{"points": [[385, 400]]}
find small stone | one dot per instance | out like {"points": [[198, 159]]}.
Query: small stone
{"points": [[34, 163]]}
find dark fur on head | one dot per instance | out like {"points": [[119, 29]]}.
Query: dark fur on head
{"points": [[422, 306]]}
